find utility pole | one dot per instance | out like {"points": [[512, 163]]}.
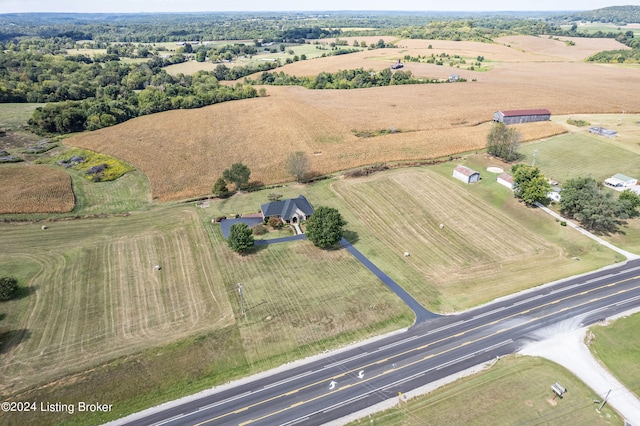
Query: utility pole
{"points": [[241, 300], [603, 401], [535, 155]]}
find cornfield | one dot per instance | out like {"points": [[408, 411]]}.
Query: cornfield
{"points": [[35, 189], [184, 152]]}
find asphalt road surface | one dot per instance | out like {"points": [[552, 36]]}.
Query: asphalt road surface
{"points": [[343, 383]]}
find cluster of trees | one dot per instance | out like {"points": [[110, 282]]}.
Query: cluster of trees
{"points": [[529, 184], [224, 73], [595, 207], [503, 142], [619, 15], [583, 199], [344, 79], [28, 76], [298, 26], [145, 28], [8, 288], [238, 174], [184, 92]]}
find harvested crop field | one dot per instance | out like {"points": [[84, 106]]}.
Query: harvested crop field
{"points": [[34, 189], [481, 252], [183, 152], [404, 210], [512, 49], [94, 292]]}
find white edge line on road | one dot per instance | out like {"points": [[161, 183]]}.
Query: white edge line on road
{"points": [[224, 401], [290, 379], [169, 420]]}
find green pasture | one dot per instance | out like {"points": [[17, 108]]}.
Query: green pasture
{"points": [[105, 308], [514, 391], [129, 193], [580, 155], [618, 348], [16, 115], [301, 300], [593, 27]]}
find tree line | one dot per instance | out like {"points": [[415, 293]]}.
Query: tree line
{"points": [[84, 94], [343, 79]]}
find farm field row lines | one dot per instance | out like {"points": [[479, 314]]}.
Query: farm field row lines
{"points": [[99, 296]]}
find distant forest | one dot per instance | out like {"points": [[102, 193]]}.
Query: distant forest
{"points": [[90, 91]]}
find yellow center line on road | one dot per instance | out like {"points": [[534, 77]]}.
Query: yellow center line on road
{"points": [[347, 386], [422, 347]]}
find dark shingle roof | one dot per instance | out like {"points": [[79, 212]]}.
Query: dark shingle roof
{"points": [[286, 208]]}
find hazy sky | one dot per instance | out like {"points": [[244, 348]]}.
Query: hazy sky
{"points": [[10, 6]]}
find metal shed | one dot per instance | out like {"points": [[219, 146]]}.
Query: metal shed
{"points": [[466, 174], [521, 116]]}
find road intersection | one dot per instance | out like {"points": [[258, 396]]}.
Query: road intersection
{"points": [[328, 388]]}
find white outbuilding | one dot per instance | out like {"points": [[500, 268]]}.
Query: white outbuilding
{"points": [[620, 182], [466, 174], [506, 179]]}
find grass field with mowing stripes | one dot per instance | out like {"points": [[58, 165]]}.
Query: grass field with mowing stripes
{"points": [[481, 252]]}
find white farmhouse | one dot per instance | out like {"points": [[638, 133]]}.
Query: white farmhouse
{"points": [[620, 182]]}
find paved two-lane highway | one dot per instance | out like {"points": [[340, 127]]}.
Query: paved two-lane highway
{"points": [[348, 381]]}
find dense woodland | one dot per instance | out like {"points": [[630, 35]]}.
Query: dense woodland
{"points": [[99, 90]]}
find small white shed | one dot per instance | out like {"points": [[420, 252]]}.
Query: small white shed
{"points": [[506, 179], [466, 174]]}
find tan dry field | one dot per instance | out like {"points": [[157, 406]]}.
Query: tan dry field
{"points": [[183, 152], [95, 294], [191, 67], [34, 189], [512, 49]]}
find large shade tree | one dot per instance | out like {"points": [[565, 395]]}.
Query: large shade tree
{"points": [[503, 142], [325, 227], [529, 184], [238, 174], [8, 287], [594, 207]]}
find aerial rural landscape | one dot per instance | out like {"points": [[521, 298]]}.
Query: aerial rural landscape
{"points": [[345, 217]]}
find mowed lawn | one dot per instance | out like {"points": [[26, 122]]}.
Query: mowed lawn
{"points": [[301, 300], [515, 391], [93, 293], [581, 155], [489, 245], [618, 348]]}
